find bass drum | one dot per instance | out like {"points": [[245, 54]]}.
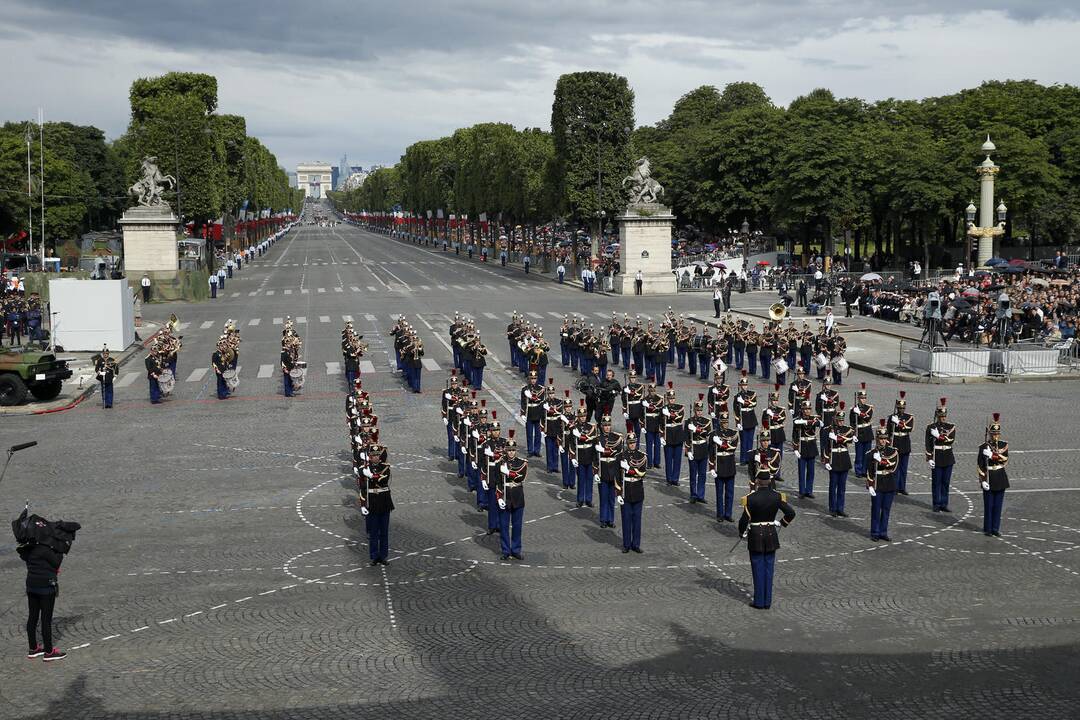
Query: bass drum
{"points": [[821, 360], [840, 364], [166, 381], [298, 375], [780, 366]]}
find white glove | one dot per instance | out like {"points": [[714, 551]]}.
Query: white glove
{"points": [[930, 463], [599, 447], [872, 491], [522, 419], [445, 421], [713, 474], [626, 416], [485, 485], [363, 510], [468, 421], [475, 434], [934, 433], [625, 465], [528, 395], [576, 433], [738, 426], [716, 439], [367, 473], [769, 412], [800, 421], [473, 465], [502, 504], [985, 485], [619, 499], [504, 469], [877, 456], [363, 456], [546, 407], [543, 436], [896, 420], [574, 463], [832, 436], [596, 479], [987, 452], [448, 396], [489, 452], [828, 466], [358, 438], [665, 412], [662, 441]]}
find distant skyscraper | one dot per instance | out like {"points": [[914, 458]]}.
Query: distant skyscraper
{"points": [[342, 172]]}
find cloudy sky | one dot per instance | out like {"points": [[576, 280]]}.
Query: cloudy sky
{"points": [[368, 77]]}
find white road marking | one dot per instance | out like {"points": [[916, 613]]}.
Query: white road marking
{"points": [[197, 374], [555, 315], [337, 289], [265, 371], [206, 325], [366, 366], [236, 294], [253, 293], [279, 321], [429, 364], [304, 291], [493, 316], [287, 291], [369, 317], [301, 319], [254, 321], [372, 288], [324, 318], [535, 316], [425, 287], [354, 288], [183, 326], [322, 290], [269, 292], [347, 318], [333, 368]]}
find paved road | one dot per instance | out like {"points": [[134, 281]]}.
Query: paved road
{"points": [[222, 571]]}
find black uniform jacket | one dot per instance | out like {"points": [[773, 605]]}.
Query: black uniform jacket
{"points": [[761, 506]]}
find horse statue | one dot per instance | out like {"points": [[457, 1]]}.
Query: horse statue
{"points": [[152, 184], [643, 188]]}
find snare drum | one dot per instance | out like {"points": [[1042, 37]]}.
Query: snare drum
{"points": [[780, 366], [821, 360], [166, 381], [840, 364]]}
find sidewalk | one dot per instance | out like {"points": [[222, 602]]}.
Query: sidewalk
{"points": [[83, 381]]}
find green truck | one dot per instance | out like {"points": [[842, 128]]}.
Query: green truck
{"points": [[25, 371]]}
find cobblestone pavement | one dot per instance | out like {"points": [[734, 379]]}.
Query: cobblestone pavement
{"points": [[222, 571]]}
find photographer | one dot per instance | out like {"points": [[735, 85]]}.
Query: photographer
{"points": [[42, 546]]}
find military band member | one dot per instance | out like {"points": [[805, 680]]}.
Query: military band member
{"points": [[632, 396], [716, 400], [705, 354], [940, 436], [609, 449], [692, 350], [461, 428], [900, 425], [474, 444], [825, 405], [723, 467], [738, 345], [451, 396], [564, 341], [806, 445], [758, 524], [288, 362], [881, 483], [753, 342], [106, 369], [614, 336], [798, 391], [862, 421], [765, 458], [653, 404], [992, 459], [745, 411], [836, 453], [510, 495], [671, 439], [583, 457], [491, 453], [552, 428], [698, 432], [630, 490], [682, 345], [566, 442], [153, 372], [376, 504], [765, 351], [775, 416], [220, 362], [533, 397]]}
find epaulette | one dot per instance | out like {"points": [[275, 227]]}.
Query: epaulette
{"points": [[783, 497], [742, 501]]}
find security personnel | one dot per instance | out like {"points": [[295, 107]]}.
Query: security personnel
{"points": [[653, 404], [825, 405], [697, 432], [765, 457], [717, 398], [609, 449], [510, 495], [806, 445], [775, 416], [552, 429], [376, 504], [836, 453], [583, 456], [881, 483], [674, 416], [533, 397], [758, 524], [992, 458], [106, 370], [632, 396], [722, 465], [862, 421], [900, 426], [630, 491], [745, 411], [940, 436]]}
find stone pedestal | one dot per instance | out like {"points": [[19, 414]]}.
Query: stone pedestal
{"points": [[150, 242], [645, 245]]}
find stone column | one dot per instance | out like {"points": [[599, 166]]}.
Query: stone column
{"points": [[645, 245], [150, 242], [986, 171]]}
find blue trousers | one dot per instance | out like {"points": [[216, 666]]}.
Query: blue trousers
{"points": [[626, 357], [939, 485], [565, 356], [213, 291], [532, 437], [155, 391], [880, 507], [451, 446], [639, 361], [671, 350], [223, 389], [660, 370], [746, 444], [614, 354], [861, 449], [781, 378], [837, 490], [804, 358], [901, 472], [568, 471], [751, 361], [673, 463], [837, 377], [704, 365], [552, 458], [510, 530], [472, 476], [766, 365], [107, 394], [481, 494], [725, 496], [681, 357], [652, 448], [806, 476], [477, 378], [739, 358], [607, 502], [691, 362], [492, 508], [992, 504], [457, 357], [763, 565], [728, 355], [584, 483], [286, 378], [378, 531], [350, 378], [698, 469], [541, 374], [631, 525]]}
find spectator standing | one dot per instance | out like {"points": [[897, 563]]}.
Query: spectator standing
{"points": [[638, 282], [561, 272], [717, 298], [213, 285], [145, 282]]}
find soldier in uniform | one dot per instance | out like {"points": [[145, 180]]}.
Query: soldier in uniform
{"points": [[492, 450], [775, 416], [753, 342], [583, 456], [881, 483], [992, 459], [745, 411], [674, 415], [825, 405], [653, 404], [220, 362], [632, 396], [510, 495], [799, 390], [609, 448], [153, 372], [564, 340], [738, 345], [862, 421], [765, 457], [682, 344], [900, 425], [614, 334], [533, 398], [940, 436], [630, 491], [462, 424], [758, 524], [698, 431], [837, 456], [451, 396], [722, 465], [805, 444], [705, 354], [106, 370], [376, 504], [566, 441], [552, 428], [694, 342], [716, 399]]}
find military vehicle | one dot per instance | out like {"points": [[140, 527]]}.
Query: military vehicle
{"points": [[37, 372]]}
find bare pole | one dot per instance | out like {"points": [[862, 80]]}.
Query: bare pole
{"points": [[29, 186], [41, 151]]}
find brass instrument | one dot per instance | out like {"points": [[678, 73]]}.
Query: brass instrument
{"points": [[777, 311]]}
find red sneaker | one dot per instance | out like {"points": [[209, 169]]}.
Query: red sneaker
{"points": [[55, 654], [36, 652]]}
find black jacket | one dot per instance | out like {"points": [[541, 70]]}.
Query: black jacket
{"points": [[42, 565]]}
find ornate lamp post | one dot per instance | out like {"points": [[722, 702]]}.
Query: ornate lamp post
{"points": [[986, 231], [745, 233]]}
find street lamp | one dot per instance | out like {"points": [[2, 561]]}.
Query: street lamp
{"points": [[986, 231], [745, 232]]}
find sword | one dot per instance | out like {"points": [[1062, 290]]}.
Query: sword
{"points": [[740, 539]]}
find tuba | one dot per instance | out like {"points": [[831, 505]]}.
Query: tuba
{"points": [[777, 311]]}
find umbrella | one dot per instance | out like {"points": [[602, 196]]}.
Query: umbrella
{"points": [[1017, 261], [1062, 283], [960, 304], [870, 277], [701, 263], [1041, 282], [1012, 270], [971, 292], [996, 261], [762, 262], [720, 265]]}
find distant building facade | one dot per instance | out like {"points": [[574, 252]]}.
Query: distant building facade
{"points": [[315, 178]]}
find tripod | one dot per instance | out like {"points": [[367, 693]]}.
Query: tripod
{"points": [[931, 330]]}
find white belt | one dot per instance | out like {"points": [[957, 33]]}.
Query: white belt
{"points": [[378, 490], [512, 484], [771, 522]]}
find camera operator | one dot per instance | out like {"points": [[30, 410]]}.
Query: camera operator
{"points": [[42, 546], [932, 320]]}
